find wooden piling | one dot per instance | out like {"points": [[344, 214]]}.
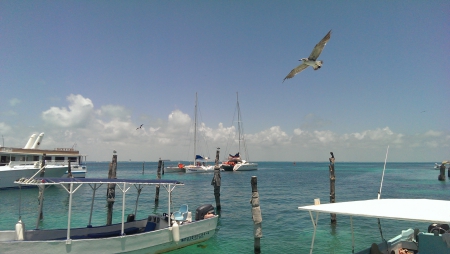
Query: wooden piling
{"points": [[42, 174], [111, 191], [332, 186], [41, 191], [158, 175], [441, 176], [41, 205], [69, 171], [216, 180], [143, 164], [256, 215]]}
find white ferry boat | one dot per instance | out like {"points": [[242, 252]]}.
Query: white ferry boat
{"points": [[27, 161]]}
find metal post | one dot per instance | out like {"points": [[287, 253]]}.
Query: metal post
{"points": [[70, 213]]}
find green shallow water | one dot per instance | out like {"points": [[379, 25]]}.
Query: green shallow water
{"points": [[282, 187]]}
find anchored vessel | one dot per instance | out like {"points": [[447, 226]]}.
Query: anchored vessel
{"points": [[27, 161], [235, 162], [153, 234], [200, 162]]}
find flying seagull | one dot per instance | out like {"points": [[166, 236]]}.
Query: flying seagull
{"points": [[312, 59], [140, 127]]}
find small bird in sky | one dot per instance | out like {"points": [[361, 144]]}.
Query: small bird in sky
{"points": [[312, 59], [140, 127]]}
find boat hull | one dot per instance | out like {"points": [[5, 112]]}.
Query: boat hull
{"points": [[226, 167], [77, 171], [174, 170], [157, 241], [199, 169], [10, 174], [245, 166]]}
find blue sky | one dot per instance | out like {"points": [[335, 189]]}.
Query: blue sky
{"points": [[90, 72]]}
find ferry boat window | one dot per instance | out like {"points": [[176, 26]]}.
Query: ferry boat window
{"points": [[59, 158], [35, 158], [4, 159], [72, 159], [48, 158]]}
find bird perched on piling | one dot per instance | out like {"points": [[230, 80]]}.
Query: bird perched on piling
{"points": [[312, 59]]}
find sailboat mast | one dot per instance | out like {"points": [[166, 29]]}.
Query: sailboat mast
{"points": [[195, 129], [239, 121]]}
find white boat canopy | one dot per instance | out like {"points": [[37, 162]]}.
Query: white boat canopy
{"points": [[425, 210], [169, 185], [60, 181]]}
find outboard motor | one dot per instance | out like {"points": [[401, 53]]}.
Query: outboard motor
{"points": [[202, 211], [130, 217], [438, 228]]}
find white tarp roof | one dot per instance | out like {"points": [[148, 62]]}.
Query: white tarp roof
{"points": [[425, 210]]}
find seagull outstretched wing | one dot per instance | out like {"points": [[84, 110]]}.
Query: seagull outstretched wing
{"points": [[319, 47], [296, 70]]}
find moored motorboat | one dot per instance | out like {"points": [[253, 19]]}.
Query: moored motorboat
{"points": [[175, 169], [15, 170], [199, 166], [152, 234], [25, 162]]}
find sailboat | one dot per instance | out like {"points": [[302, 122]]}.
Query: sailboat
{"points": [[235, 162], [199, 165]]}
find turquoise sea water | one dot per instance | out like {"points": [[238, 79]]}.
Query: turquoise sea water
{"points": [[282, 186]]}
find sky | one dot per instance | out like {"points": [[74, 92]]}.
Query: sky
{"points": [[88, 73]]}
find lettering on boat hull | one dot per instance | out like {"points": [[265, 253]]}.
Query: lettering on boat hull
{"points": [[195, 237]]}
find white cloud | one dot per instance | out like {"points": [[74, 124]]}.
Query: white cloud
{"points": [[324, 136], [98, 131], [114, 111], [77, 115], [432, 133], [178, 122], [272, 136]]}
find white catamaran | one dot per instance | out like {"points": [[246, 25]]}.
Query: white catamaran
{"points": [[235, 162]]}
